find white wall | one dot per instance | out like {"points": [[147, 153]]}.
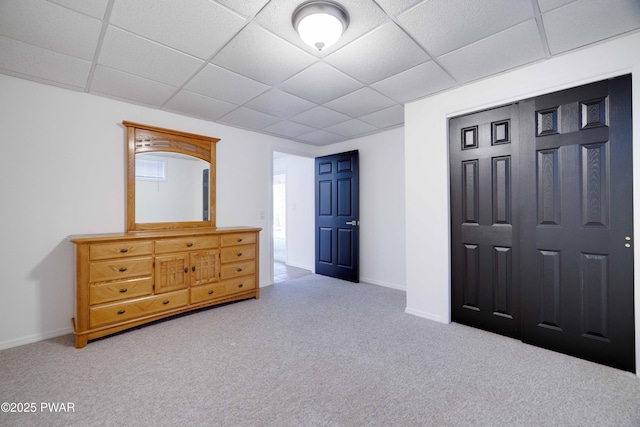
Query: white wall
{"points": [[300, 211], [62, 172], [426, 160], [382, 206]]}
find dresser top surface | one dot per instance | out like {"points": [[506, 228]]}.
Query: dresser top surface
{"points": [[157, 234]]}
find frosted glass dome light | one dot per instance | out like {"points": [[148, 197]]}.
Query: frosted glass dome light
{"points": [[320, 23]]}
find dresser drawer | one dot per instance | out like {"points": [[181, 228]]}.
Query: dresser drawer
{"points": [[117, 269], [118, 312], [237, 269], [238, 253], [120, 249], [237, 239], [240, 284], [115, 291], [207, 292], [186, 243]]}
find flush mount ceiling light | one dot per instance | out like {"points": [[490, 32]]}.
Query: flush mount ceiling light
{"points": [[320, 23]]}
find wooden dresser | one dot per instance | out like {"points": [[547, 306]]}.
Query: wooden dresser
{"points": [[127, 279]]}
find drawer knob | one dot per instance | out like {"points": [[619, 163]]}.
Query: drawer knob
{"points": [[210, 292], [124, 251], [241, 285], [238, 270], [189, 244], [121, 312], [193, 268], [123, 290], [239, 253], [239, 240], [123, 269], [165, 302], [186, 269]]}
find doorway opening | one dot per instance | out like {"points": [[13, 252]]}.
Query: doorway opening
{"points": [[293, 216], [279, 217]]}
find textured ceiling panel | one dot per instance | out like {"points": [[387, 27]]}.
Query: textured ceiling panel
{"points": [[93, 8], [193, 104], [196, 27], [279, 104], [127, 52], [247, 118], [264, 57], [288, 129], [245, 8], [444, 25], [580, 23], [320, 117], [240, 62], [416, 82], [18, 57], [352, 128], [225, 85], [385, 51], [360, 102], [320, 83], [511, 48], [50, 26], [129, 87]]}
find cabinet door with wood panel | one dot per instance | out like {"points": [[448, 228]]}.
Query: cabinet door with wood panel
{"points": [[205, 267], [171, 272]]}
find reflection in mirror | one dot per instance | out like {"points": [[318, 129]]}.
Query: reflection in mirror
{"points": [[171, 187]]}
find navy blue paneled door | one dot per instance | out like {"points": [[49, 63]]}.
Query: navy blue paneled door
{"points": [[337, 216]]}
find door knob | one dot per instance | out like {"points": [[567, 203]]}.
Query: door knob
{"points": [[353, 222]]}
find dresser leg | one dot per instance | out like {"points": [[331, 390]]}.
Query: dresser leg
{"points": [[81, 341]]}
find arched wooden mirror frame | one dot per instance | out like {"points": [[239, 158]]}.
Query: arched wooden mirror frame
{"points": [[147, 139]]}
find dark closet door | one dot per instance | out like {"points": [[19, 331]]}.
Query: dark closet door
{"points": [[576, 222], [484, 221], [337, 216]]}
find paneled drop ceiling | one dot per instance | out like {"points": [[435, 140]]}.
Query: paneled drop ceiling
{"points": [[240, 62]]}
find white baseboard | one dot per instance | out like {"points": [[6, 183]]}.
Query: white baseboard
{"points": [[35, 338], [425, 315], [265, 284], [385, 284]]}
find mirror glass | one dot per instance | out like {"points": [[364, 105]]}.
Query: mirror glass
{"points": [[171, 187]]}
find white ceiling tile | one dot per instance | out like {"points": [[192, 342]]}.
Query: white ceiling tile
{"points": [[279, 104], [392, 116], [262, 56], [44, 24], [385, 51], [196, 27], [547, 5], [320, 83], [320, 117], [248, 118], [516, 46], [397, 6], [288, 129], [351, 128], [219, 83], [193, 104], [360, 102], [321, 137], [93, 8], [244, 7], [587, 21], [415, 83], [363, 17], [133, 54], [444, 25], [34, 61], [127, 86]]}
